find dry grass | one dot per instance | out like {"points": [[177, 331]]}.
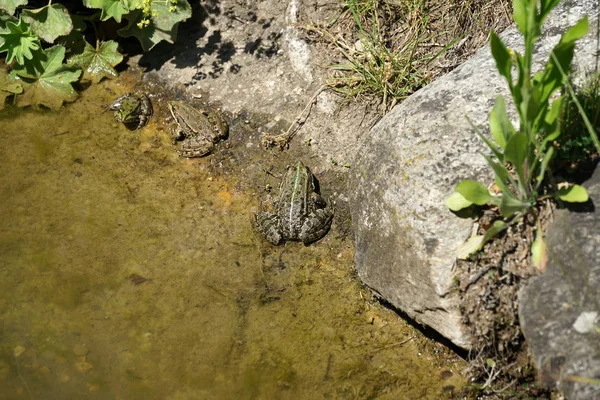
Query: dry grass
{"points": [[389, 49]]}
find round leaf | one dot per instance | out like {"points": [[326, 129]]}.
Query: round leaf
{"points": [[573, 194], [457, 202], [474, 192], [49, 22], [11, 5]]}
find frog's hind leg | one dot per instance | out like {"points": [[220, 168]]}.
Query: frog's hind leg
{"points": [[269, 225], [195, 147], [316, 225]]}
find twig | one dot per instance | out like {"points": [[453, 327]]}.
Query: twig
{"points": [[283, 140], [478, 277], [389, 346]]}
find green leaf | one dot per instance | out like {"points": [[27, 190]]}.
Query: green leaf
{"points": [[576, 32], [573, 194], [511, 205], [552, 121], [97, 63], [520, 15], [516, 152], [563, 54], [49, 22], [546, 7], [50, 86], [19, 42], [471, 246], [535, 106], [111, 8], [502, 57], [501, 173], [476, 243], [457, 202], [487, 141], [474, 192], [544, 165], [162, 26], [10, 6], [490, 363], [500, 126], [497, 227]]}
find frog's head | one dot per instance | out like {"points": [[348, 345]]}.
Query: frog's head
{"points": [[127, 109]]}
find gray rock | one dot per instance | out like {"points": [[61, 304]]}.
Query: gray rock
{"points": [[559, 309], [406, 238]]}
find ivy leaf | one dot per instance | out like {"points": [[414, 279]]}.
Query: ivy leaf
{"points": [[111, 8], [161, 26], [49, 22], [97, 63], [19, 42], [11, 5], [51, 84]]}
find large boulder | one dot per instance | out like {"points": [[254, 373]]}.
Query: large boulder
{"points": [[560, 310], [406, 239]]}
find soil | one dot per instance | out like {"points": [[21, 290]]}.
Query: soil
{"points": [[489, 285]]}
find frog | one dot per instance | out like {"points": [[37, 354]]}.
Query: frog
{"points": [[197, 129], [133, 110], [299, 213]]}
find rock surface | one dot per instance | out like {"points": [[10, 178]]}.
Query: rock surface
{"points": [[411, 161], [559, 310], [249, 58]]}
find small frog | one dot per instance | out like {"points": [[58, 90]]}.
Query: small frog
{"points": [[197, 130], [132, 109]]}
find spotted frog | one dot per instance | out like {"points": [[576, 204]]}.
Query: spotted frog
{"points": [[133, 110], [197, 130], [299, 213]]}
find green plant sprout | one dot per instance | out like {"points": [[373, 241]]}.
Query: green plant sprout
{"points": [[520, 158], [39, 74]]}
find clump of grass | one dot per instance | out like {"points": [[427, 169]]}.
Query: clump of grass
{"points": [[575, 145], [388, 48]]}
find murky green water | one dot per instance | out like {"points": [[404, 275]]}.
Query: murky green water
{"points": [[89, 210]]}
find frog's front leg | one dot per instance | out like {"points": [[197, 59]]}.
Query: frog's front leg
{"points": [[316, 225], [177, 134], [269, 225], [196, 146]]}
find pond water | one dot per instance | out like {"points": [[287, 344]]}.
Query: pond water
{"points": [[128, 272]]}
